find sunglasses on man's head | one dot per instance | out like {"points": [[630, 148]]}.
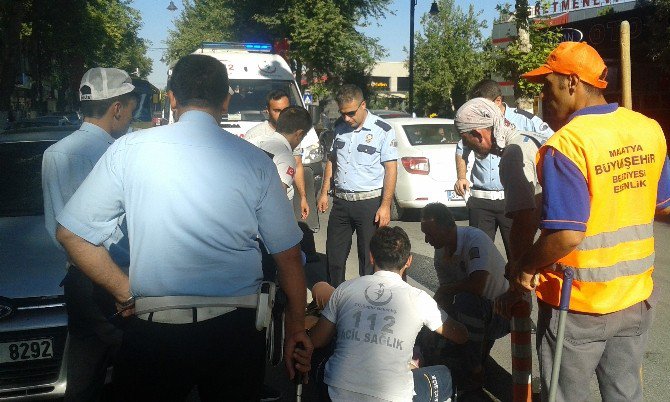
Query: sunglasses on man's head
{"points": [[351, 113]]}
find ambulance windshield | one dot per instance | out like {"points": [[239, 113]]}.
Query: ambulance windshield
{"points": [[248, 100]]}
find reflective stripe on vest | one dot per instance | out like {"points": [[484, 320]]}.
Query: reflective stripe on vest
{"points": [[620, 156], [611, 239], [606, 274]]}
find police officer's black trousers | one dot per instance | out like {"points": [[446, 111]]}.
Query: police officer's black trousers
{"points": [[489, 216], [93, 340], [224, 356], [345, 218]]}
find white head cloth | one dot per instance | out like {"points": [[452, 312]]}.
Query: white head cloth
{"points": [[482, 113]]}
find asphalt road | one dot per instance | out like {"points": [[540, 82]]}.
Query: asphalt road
{"points": [[498, 385], [498, 382]]}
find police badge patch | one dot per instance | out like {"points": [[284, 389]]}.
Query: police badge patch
{"points": [[368, 138], [474, 253]]}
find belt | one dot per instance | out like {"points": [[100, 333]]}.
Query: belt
{"points": [[357, 195], [488, 194], [189, 309]]}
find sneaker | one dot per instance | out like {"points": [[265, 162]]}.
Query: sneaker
{"points": [[269, 394]]}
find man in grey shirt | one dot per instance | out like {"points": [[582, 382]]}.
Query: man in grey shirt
{"points": [[483, 129]]}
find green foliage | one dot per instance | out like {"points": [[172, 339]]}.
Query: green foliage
{"points": [[115, 27], [521, 14], [322, 33], [56, 52], [514, 61], [200, 21], [320, 90], [659, 26], [606, 11], [450, 57], [324, 37]]}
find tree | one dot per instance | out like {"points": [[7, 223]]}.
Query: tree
{"points": [[515, 59], [55, 54], [200, 21], [450, 57], [11, 16], [660, 30], [322, 33]]}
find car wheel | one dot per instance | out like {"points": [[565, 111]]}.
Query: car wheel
{"points": [[396, 211]]}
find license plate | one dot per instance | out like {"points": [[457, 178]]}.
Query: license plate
{"points": [[34, 349], [451, 195]]}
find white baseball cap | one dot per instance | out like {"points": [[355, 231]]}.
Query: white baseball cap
{"points": [[104, 83]]}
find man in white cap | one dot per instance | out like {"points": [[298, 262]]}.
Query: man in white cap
{"points": [[107, 104]]}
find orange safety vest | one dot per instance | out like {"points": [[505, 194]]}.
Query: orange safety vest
{"points": [[621, 156]]}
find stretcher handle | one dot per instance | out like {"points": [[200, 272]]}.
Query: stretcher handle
{"points": [[297, 378], [566, 289], [564, 304]]}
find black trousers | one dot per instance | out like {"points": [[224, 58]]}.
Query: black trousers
{"points": [[224, 356], [345, 218], [93, 340], [489, 216]]}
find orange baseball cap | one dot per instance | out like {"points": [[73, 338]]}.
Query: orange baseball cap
{"points": [[573, 58]]}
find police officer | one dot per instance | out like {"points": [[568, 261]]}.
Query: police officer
{"points": [[605, 175], [196, 199], [487, 197], [107, 103], [362, 164]]}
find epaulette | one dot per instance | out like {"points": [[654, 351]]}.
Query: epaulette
{"points": [[384, 125], [524, 113]]}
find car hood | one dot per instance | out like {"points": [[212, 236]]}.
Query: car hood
{"points": [[30, 263]]}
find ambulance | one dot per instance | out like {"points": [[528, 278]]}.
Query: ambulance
{"points": [[254, 71]]}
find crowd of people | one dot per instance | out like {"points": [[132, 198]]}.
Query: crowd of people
{"points": [[179, 237]]}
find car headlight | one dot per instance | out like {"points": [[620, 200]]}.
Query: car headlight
{"points": [[312, 154]]}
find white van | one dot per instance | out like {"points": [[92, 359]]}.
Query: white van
{"points": [[254, 71]]}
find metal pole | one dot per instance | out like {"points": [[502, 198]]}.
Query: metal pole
{"points": [[412, 4], [566, 289]]}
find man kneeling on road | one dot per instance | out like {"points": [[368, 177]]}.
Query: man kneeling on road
{"points": [[471, 273], [376, 319]]}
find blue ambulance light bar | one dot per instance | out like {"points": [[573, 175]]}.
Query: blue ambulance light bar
{"points": [[248, 46]]}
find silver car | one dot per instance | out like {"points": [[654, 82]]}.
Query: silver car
{"points": [[426, 167], [33, 319]]}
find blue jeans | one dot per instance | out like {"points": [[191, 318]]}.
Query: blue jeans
{"points": [[432, 384]]}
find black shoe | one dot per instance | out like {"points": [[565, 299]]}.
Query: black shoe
{"points": [[269, 394]]}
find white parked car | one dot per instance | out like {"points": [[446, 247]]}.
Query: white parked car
{"points": [[426, 167]]}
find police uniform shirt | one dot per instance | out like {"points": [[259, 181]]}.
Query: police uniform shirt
{"points": [[378, 318], [65, 165], [196, 199], [518, 174], [475, 251], [485, 171], [279, 149], [360, 153]]}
